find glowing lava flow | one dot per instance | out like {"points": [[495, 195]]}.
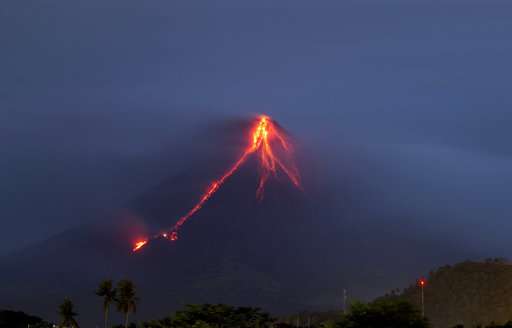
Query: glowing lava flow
{"points": [[138, 245], [265, 135]]}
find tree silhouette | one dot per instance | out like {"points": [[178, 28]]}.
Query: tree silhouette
{"points": [[214, 316], [108, 292], [126, 299], [383, 313], [67, 314], [18, 319]]}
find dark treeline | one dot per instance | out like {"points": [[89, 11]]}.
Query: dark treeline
{"points": [[506, 325], [382, 313], [18, 319]]}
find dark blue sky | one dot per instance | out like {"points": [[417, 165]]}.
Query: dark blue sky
{"points": [[90, 92]]}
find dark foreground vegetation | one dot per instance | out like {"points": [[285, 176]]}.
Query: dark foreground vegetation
{"points": [[385, 313], [18, 319], [447, 305], [379, 314]]}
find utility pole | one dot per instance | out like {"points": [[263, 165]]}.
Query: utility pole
{"points": [[344, 301], [421, 283], [422, 301]]}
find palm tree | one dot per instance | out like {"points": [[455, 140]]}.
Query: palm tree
{"points": [[67, 314], [108, 292], [126, 299]]}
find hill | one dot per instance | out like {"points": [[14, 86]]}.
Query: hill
{"points": [[468, 293]]}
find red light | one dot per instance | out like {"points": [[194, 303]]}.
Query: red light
{"points": [[422, 282]]}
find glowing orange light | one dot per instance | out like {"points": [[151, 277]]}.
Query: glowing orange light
{"points": [[138, 245], [422, 282], [267, 140]]}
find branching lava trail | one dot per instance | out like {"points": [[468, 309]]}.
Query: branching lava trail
{"points": [[274, 151]]}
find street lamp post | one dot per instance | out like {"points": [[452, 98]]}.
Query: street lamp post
{"points": [[421, 283]]}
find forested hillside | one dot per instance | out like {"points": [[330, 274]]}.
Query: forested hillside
{"points": [[468, 293]]}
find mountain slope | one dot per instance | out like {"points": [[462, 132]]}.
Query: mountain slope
{"points": [[468, 293]]}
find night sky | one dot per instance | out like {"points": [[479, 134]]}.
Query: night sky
{"points": [[411, 96]]}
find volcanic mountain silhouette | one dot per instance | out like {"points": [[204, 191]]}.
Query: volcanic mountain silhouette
{"points": [[237, 250], [291, 251]]}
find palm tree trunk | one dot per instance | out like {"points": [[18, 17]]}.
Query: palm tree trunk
{"points": [[126, 320], [106, 317]]}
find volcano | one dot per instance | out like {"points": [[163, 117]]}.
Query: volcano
{"points": [[291, 250], [241, 248], [269, 143]]}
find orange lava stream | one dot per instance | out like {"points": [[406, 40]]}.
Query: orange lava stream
{"points": [[264, 132], [138, 245]]}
